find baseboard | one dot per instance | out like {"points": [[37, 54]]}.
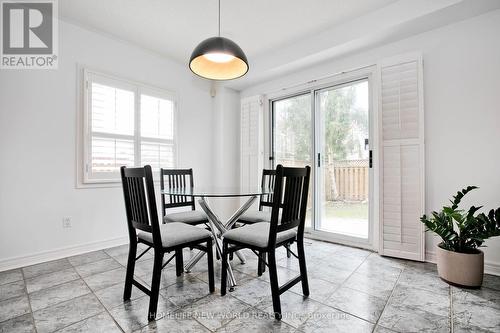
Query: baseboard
{"points": [[490, 267], [16, 262], [430, 257]]}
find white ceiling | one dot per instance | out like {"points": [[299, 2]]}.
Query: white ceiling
{"points": [[174, 27], [278, 36]]}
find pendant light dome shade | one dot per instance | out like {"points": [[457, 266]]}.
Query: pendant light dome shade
{"points": [[218, 58]]}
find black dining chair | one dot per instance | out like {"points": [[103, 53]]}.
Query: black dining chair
{"points": [[261, 215], [288, 213], [179, 179], [144, 227], [266, 200]]}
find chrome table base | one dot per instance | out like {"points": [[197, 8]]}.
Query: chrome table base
{"points": [[218, 228]]}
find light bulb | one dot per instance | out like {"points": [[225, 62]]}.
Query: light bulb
{"points": [[219, 57]]}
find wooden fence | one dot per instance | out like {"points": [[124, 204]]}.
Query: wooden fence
{"points": [[346, 180]]}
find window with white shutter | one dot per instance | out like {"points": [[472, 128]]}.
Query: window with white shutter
{"points": [[125, 123], [402, 157]]}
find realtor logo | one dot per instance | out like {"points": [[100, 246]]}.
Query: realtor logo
{"points": [[29, 34]]}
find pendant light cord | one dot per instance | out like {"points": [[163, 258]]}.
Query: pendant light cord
{"points": [[219, 18]]}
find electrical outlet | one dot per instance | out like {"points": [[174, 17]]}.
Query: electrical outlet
{"points": [[66, 222]]}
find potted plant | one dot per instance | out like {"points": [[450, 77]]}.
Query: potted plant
{"points": [[459, 260]]}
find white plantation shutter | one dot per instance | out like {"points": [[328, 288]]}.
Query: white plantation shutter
{"points": [[402, 158], [125, 123], [252, 141], [109, 154], [158, 155], [157, 131], [111, 127]]}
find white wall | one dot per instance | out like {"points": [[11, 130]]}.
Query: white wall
{"points": [[38, 120], [462, 110], [226, 147]]}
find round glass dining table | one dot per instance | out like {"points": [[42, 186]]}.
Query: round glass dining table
{"points": [[217, 226]]}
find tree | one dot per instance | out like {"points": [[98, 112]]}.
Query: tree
{"points": [[344, 126], [341, 125], [293, 132]]}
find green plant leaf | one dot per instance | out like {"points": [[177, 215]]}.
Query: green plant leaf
{"points": [[473, 229], [460, 194]]}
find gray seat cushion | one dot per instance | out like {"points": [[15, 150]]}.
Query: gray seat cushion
{"points": [[176, 233], [189, 217], [254, 216], [257, 234]]}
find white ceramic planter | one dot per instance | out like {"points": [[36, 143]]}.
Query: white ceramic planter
{"points": [[462, 269]]}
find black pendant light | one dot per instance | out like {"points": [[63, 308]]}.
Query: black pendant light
{"points": [[218, 58]]}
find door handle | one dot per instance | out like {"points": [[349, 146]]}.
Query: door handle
{"points": [[370, 159], [319, 160]]}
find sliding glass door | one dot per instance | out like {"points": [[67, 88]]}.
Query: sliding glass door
{"points": [[343, 148], [329, 129]]}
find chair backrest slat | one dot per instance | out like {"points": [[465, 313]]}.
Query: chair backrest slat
{"points": [[176, 179], [268, 180], [143, 218], [289, 205], [140, 202], [134, 199]]}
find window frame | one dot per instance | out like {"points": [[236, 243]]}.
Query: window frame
{"points": [[87, 179]]}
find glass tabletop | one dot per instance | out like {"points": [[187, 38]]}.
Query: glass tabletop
{"points": [[217, 191]]}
